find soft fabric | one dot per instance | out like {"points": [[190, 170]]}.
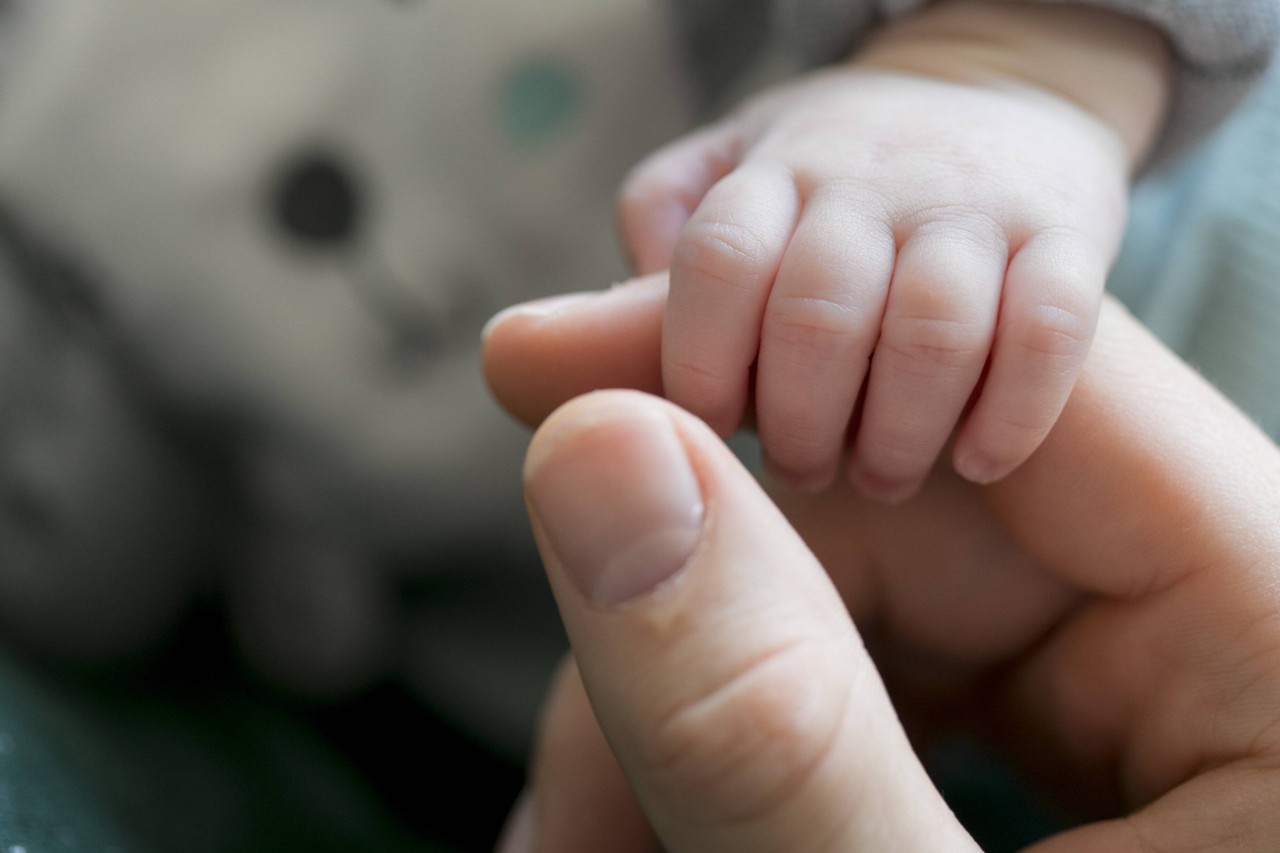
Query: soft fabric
{"points": [[195, 761], [261, 239]]}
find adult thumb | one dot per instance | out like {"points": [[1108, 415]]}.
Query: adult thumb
{"points": [[720, 662]]}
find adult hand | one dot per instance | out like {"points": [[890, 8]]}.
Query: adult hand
{"points": [[1110, 613]]}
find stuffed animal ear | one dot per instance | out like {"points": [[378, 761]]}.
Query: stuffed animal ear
{"points": [[48, 280], [104, 519]]}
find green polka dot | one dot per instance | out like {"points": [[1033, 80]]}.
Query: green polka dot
{"points": [[539, 100]]}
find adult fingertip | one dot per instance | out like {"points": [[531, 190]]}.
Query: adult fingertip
{"points": [[613, 496], [517, 834], [510, 352], [537, 309], [539, 355]]}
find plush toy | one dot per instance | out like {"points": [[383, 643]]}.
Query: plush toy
{"points": [[246, 250]]}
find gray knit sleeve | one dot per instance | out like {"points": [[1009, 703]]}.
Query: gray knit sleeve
{"points": [[1221, 49]]}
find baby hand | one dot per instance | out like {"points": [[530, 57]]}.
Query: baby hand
{"points": [[879, 255]]}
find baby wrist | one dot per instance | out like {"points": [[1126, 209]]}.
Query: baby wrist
{"points": [[1116, 68]]}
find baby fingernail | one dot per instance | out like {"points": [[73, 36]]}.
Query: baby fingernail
{"points": [[887, 490], [804, 483], [617, 502], [980, 469]]}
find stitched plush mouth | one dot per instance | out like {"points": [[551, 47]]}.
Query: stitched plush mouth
{"points": [[415, 336], [413, 348]]}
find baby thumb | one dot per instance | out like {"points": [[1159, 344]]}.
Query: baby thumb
{"points": [[719, 660], [661, 193]]}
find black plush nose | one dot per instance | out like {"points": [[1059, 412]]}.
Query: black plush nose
{"points": [[318, 202]]}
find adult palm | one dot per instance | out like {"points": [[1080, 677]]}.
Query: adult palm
{"points": [[1110, 613]]}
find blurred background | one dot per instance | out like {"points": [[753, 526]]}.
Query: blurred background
{"points": [[265, 579]]}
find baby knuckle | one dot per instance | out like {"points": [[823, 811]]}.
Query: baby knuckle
{"points": [[748, 745], [696, 366], [1052, 331], [705, 390], [933, 343], [963, 231], [720, 253], [822, 326]]}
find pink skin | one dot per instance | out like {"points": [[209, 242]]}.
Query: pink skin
{"points": [[895, 256], [1107, 614]]}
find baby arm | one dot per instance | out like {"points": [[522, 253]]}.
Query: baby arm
{"points": [[912, 241]]}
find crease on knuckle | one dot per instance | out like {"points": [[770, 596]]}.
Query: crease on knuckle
{"points": [[695, 384], [695, 368], [823, 328], [925, 345], [749, 744], [721, 253], [964, 227], [1052, 332], [1069, 243]]}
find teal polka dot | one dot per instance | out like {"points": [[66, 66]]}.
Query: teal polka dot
{"points": [[540, 100]]}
